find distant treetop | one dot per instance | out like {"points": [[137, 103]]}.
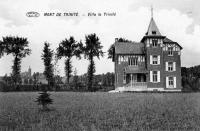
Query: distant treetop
{"points": [[122, 40]]}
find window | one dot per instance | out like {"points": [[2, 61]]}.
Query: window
{"points": [[154, 32], [155, 76], [170, 51], [170, 66], [133, 61], [171, 82], [154, 43], [155, 60]]}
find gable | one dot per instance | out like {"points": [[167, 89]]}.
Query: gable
{"points": [[167, 40]]}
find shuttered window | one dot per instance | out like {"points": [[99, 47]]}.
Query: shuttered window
{"points": [[170, 82], [170, 66], [154, 76], [155, 59]]}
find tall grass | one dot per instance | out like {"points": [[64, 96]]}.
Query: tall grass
{"points": [[101, 111]]}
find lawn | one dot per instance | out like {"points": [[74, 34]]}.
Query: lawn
{"points": [[101, 111]]}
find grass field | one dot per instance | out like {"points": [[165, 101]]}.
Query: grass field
{"points": [[101, 111]]}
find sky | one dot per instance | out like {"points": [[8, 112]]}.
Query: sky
{"points": [[178, 20]]}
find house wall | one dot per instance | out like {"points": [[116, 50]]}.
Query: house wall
{"points": [[175, 58], [119, 69], [154, 51]]}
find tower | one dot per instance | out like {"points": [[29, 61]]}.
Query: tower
{"points": [[153, 41]]}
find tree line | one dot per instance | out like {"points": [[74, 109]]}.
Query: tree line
{"points": [[67, 48], [191, 78]]}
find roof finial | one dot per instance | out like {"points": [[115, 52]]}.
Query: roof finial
{"points": [[151, 11]]}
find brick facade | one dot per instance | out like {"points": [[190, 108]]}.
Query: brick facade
{"points": [[152, 64]]}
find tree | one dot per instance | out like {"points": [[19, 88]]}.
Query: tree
{"points": [[92, 49], [47, 57], [35, 78], [18, 47], [26, 81], [122, 40], [44, 100], [75, 80], [2, 49], [69, 48], [111, 52]]}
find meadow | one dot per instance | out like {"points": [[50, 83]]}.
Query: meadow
{"points": [[72, 111]]}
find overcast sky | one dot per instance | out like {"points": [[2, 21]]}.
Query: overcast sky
{"points": [[179, 20]]}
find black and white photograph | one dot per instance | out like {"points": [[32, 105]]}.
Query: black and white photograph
{"points": [[99, 65]]}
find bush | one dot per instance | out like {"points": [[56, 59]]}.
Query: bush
{"points": [[3, 87], [44, 100]]}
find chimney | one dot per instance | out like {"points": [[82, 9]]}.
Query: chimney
{"points": [[116, 39]]}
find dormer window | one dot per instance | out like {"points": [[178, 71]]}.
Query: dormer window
{"points": [[154, 32]]}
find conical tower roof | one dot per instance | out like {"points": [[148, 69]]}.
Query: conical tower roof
{"points": [[153, 29]]}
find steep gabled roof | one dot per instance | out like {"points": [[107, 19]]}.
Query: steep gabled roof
{"points": [[153, 29], [167, 40], [129, 48]]}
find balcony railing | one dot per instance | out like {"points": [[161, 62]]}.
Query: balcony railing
{"points": [[137, 84]]}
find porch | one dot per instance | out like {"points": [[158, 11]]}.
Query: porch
{"points": [[136, 81]]}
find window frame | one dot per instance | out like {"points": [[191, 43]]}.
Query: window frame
{"points": [[154, 43], [133, 61], [155, 76], [171, 82], [170, 51], [170, 68], [153, 60]]}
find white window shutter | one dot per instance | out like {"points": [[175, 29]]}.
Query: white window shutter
{"points": [[174, 66], [151, 76], [158, 76], [159, 60], [166, 66], [167, 82], [151, 59], [174, 82]]}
